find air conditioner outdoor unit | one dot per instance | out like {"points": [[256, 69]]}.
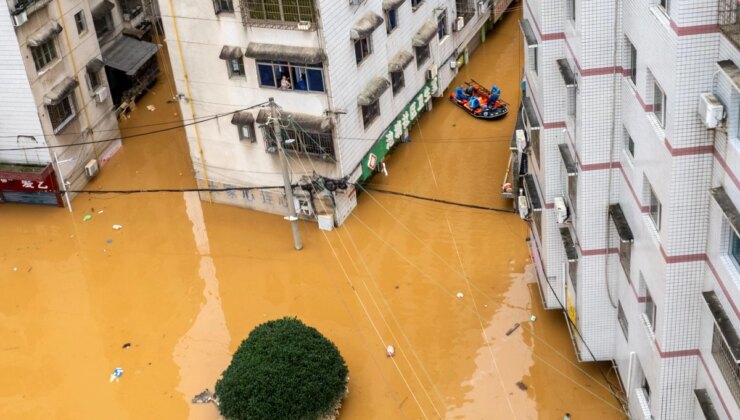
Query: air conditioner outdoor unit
{"points": [[304, 25], [521, 141], [432, 72], [711, 110], [459, 24], [91, 169], [453, 63], [523, 205], [101, 94], [19, 18], [561, 210], [482, 6]]}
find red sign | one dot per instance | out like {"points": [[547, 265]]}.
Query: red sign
{"points": [[23, 185], [25, 179]]}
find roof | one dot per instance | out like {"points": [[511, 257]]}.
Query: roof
{"points": [[372, 91], [277, 52], [128, 54], [365, 26]]}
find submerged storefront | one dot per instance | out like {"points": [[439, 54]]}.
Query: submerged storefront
{"points": [[398, 129], [30, 184]]}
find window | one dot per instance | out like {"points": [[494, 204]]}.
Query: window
{"points": [[666, 5], [44, 54], [650, 309], [309, 143], [302, 77], [236, 67], [61, 113], [94, 79], [81, 22], [534, 64], [391, 20], [654, 207], [659, 104], [246, 132], [622, 321], [280, 10], [370, 113], [442, 25], [572, 102], [570, 10], [103, 25], [633, 62], [422, 54], [415, 4], [223, 6], [363, 48], [728, 365], [465, 8], [735, 247], [646, 389], [397, 81], [630, 146]]}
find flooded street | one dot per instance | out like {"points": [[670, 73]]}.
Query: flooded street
{"points": [[184, 281]]}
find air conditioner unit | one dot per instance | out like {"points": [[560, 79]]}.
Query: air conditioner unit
{"points": [[561, 210], [101, 94], [453, 63], [521, 141], [459, 24], [711, 110], [432, 72], [19, 17], [355, 2], [523, 205], [304, 25], [92, 169], [482, 6]]}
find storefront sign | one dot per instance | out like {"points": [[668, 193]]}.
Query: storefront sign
{"points": [[396, 129], [30, 184]]}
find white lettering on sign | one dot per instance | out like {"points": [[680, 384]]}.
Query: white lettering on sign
{"points": [[26, 184], [398, 129], [420, 101], [42, 186], [427, 93], [405, 120], [412, 111], [4, 181], [389, 140]]}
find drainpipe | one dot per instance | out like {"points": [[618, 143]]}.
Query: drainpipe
{"points": [[190, 99]]}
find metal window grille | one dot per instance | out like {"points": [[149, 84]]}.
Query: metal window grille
{"points": [[728, 20], [44, 54], [306, 143], [726, 362], [623, 321], [103, 25], [280, 10], [60, 113], [466, 9]]}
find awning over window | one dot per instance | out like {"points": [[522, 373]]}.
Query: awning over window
{"points": [[530, 113], [731, 70], [392, 4], [365, 26], [724, 323], [229, 52], [400, 61], [94, 65], [569, 78], [298, 121], [623, 228], [242, 118], [425, 34], [568, 244], [530, 189], [60, 91], [102, 9], [129, 55], [278, 52], [728, 208], [47, 32], [568, 162], [529, 37], [372, 91]]}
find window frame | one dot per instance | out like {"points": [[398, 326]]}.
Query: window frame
{"points": [[293, 70], [44, 55], [416, 4], [623, 322], [650, 310], [305, 142], [93, 77], [397, 82], [733, 248], [218, 6], [370, 113], [363, 49], [442, 29], [81, 22], [240, 70], [659, 107], [632, 62], [107, 19], [257, 11], [57, 121], [391, 24], [655, 208], [570, 10], [251, 138], [424, 56], [629, 146]]}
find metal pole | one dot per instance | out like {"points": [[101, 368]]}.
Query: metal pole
{"points": [[64, 183], [292, 217]]}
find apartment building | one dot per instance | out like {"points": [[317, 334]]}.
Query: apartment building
{"points": [[350, 78], [630, 126], [62, 59]]}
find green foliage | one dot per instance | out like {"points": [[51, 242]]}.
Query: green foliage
{"points": [[283, 370]]}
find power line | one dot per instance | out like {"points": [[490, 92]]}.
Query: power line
{"points": [[438, 200], [156, 190]]}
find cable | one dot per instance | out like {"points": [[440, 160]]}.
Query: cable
{"points": [[156, 190], [132, 135], [439, 200]]}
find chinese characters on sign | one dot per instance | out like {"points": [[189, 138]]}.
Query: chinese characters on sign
{"points": [[396, 129], [23, 185]]}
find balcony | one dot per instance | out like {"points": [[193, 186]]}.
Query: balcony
{"points": [[279, 14], [728, 20]]}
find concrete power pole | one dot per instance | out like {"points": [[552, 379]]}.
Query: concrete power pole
{"points": [[292, 217]]}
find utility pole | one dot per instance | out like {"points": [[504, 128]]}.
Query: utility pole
{"points": [[292, 217]]}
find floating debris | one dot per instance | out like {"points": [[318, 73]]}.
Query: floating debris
{"points": [[86, 218], [390, 351], [512, 329], [204, 397], [126, 345], [533, 318], [459, 295], [117, 227], [522, 386], [117, 373]]}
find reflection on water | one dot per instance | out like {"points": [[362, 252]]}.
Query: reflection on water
{"points": [[185, 281]]}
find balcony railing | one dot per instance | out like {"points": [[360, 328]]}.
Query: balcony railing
{"points": [[728, 20]]}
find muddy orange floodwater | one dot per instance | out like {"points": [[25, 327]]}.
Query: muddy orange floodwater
{"points": [[185, 281]]}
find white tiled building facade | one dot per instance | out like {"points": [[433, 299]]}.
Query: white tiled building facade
{"points": [[357, 74], [647, 264], [54, 89]]}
